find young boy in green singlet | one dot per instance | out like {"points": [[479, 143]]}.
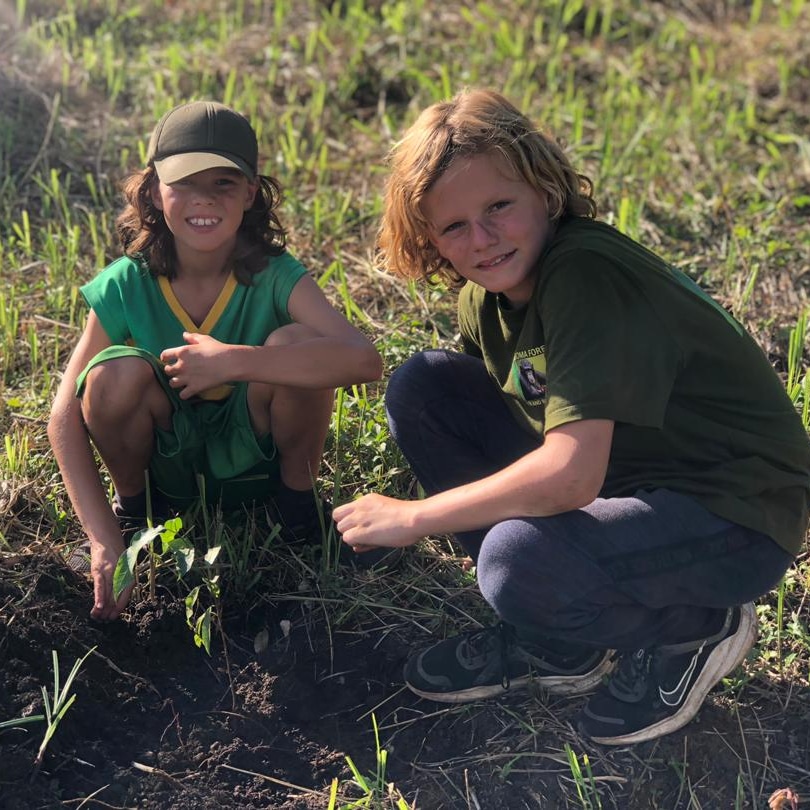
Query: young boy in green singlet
{"points": [[209, 353]]}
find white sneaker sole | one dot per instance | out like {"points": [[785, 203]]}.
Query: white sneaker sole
{"points": [[570, 685]]}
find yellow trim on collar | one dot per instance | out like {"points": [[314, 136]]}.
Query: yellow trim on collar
{"points": [[220, 391], [214, 313]]}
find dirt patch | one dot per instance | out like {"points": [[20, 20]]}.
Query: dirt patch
{"points": [[157, 724], [161, 724]]}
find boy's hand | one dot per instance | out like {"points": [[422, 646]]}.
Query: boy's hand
{"points": [[194, 367], [103, 560], [374, 521]]}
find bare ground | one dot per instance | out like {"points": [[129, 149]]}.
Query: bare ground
{"points": [[157, 724]]}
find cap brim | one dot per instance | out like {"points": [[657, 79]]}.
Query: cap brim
{"points": [[176, 167]]}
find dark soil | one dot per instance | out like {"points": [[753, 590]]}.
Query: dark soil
{"points": [[159, 724]]}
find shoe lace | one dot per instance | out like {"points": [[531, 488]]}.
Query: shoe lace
{"points": [[629, 681], [481, 645]]}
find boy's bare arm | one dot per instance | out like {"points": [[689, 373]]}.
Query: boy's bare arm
{"points": [[343, 356], [339, 355], [74, 455], [565, 473]]}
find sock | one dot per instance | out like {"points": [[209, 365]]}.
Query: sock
{"points": [[293, 505], [135, 505], [131, 505]]}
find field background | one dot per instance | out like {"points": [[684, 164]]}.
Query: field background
{"points": [[693, 119]]}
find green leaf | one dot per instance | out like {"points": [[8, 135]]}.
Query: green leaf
{"points": [[358, 777], [191, 601], [21, 721], [184, 559], [181, 550], [124, 574], [167, 537], [204, 629]]}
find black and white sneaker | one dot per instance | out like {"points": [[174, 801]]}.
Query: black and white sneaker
{"points": [[657, 691], [487, 663]]}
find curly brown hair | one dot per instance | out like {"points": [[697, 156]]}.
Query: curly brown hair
{"points": [[145, 235], [473, 122]]}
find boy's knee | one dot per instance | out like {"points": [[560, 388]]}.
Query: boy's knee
{"points": [[289, 334], [499, 569], [115, 383], [417, 367], [410, 383], [512, 578]]}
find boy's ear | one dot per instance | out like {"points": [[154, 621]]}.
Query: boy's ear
{"points": [[250, 195], [154, 191]]}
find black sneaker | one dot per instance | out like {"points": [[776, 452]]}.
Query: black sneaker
{"points": [[657, 691], [486, 663]]}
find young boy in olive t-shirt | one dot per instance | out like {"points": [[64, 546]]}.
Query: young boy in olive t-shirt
{"points": [[613, 450]]}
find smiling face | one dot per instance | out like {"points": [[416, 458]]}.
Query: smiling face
{"points": [[204, 211], [489, 224]]}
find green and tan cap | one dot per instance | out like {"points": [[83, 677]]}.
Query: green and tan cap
{"points": [[202, 135]]}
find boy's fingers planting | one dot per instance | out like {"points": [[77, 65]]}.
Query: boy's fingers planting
{"points": [[102, 599], [105, 608], [103, 562]]}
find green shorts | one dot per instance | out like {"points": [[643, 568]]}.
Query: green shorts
{"points": [[211, 451]]}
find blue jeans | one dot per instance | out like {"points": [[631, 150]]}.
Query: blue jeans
{"points": [[620, 573]]}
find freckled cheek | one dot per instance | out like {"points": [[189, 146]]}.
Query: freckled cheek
{"points": [[446, 252], [450, 249], [461, 252]]}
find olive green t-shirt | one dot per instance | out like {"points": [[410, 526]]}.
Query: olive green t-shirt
{"points": [[613, 332]]}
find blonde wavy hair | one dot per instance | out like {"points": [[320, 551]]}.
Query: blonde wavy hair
{"points": [[473, 122]]}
